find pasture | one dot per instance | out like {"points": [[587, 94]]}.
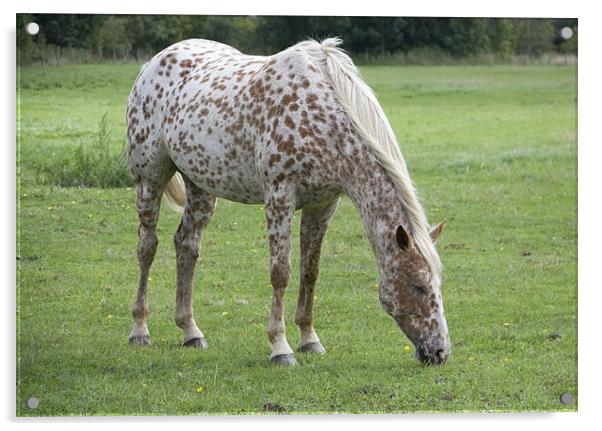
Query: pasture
{"points": [[491, 148]]}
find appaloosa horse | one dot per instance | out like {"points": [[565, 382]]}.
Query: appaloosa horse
{"points": [[294, 130]]}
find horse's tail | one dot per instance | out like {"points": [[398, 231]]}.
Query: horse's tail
{"points": [[175, 193]]}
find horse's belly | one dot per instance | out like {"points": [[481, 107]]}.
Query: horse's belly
{"points": [[212, 168], [237, 191]]}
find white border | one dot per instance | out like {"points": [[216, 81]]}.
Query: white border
{"points": [[514, 8], [589, 207]]}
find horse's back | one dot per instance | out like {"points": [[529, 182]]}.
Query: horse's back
{"points": [[235, 124]]}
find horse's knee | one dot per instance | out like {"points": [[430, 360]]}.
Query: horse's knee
{"points": [[147, 245], [147, 227], [187, 247], [280, 275]]}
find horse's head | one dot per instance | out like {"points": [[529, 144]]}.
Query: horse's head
{"points": [[411, 294]]}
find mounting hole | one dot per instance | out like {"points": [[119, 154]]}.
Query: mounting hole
{"points": [[32, 28], [566, 398], [32, 403], [566, 33]]}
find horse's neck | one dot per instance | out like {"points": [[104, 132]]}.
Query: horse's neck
{"points": [[378, 203]]}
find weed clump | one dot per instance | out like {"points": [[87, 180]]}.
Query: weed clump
{"points": [[91, 164]]}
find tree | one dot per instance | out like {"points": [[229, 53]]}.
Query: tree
{"points": [[112, 38], [533, 36], [132, 35], [501, 36]]}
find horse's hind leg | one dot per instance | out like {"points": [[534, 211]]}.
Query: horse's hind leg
{"points": [[149, 201], [279, 210], [151, 168], [198, 211], [314, 222]]}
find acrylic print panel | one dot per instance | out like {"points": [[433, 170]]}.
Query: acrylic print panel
{"points": [[481, 111]]}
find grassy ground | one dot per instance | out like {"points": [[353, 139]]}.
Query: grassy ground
{"points": [[492, 149]]}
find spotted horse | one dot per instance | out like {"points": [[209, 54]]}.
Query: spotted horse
{"points": [[295, 130]]}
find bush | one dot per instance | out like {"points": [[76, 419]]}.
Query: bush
{"points": [[91, 164]]}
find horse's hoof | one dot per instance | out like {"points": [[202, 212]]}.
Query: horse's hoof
{"points": [[140, 340], [197, 343], [286, 360], [315, 347]]}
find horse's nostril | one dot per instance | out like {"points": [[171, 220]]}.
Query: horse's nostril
{"points": [[440, 355]]}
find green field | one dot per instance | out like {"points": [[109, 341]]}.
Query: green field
{"points": [[490, 148]]}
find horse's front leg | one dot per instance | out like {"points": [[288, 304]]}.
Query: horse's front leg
{"points": [[314, 222], [279, 210]]}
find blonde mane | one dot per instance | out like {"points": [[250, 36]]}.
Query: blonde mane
{"points": [[362, 107]]}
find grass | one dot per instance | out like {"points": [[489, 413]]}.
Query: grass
{"points": [[491, 148]]}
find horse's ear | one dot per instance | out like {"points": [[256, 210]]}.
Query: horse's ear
{"points": [[403, 239], [437, 230]]}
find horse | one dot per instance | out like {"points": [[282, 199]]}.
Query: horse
{"points": [[292, 131]]}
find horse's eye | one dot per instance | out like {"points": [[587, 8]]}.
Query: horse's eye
{"points": [[419, 288]]}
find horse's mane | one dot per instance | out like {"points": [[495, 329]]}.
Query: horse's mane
{"points": [[360, 104]]}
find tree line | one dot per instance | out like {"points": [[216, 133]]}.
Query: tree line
{"points": [[127, 37]]}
